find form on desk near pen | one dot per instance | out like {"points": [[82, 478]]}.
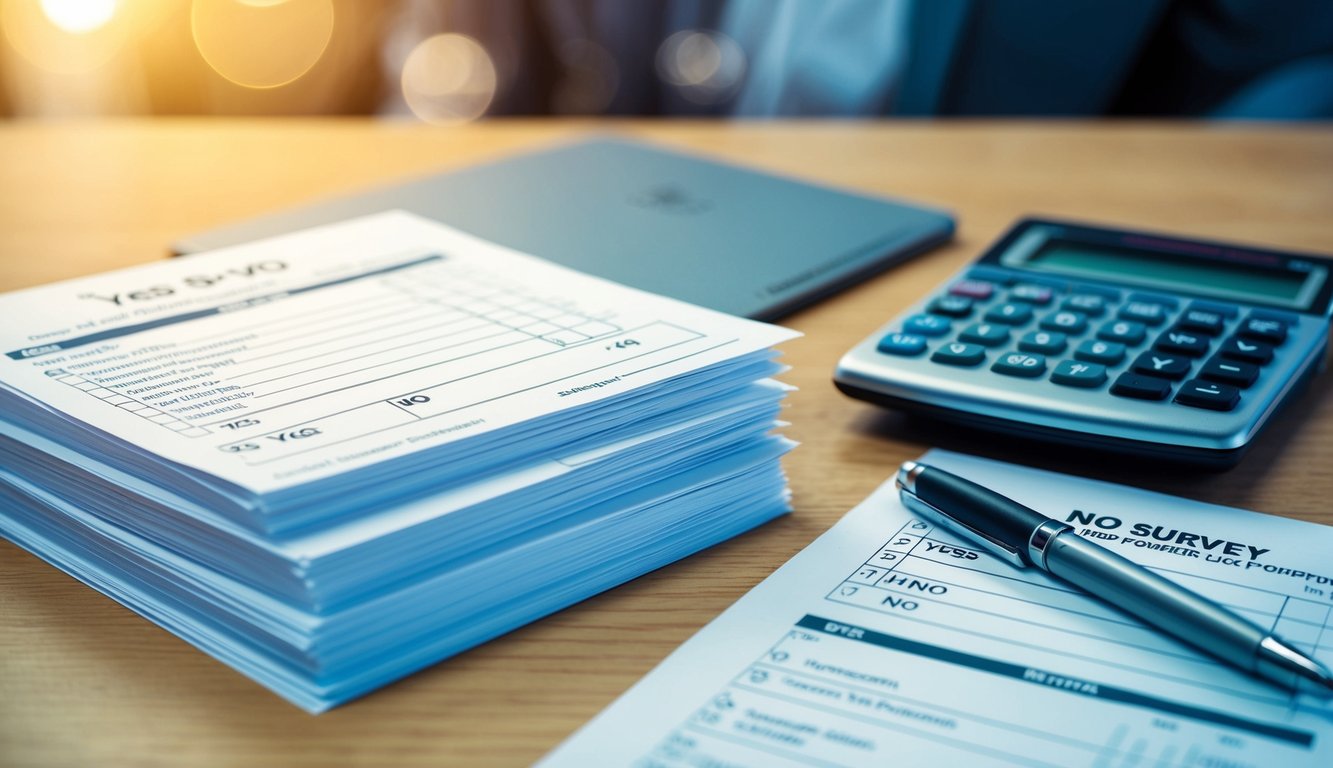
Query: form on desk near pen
{"points": [[1023, 537], [892, 640]]}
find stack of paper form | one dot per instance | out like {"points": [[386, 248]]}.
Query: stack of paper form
{"points": [[325, 458]]}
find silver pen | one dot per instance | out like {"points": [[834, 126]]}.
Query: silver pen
{"points": [[1024, 537]]}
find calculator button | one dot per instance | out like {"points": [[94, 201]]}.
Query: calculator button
{"points": [[903, 344], [1123, 331], [1072, 374], [1182, 342], [1104, 352], [1089, 304], [1033, 294], [1162, 365], [985, 334], [1263, 329], [1069, 322], [1020, 364], [1232, 372], [1207, 394], [1276, 314], [1143, 312], [927, 325], [1202, 321], [973, 289], [953, 306], [1042, 342], [1010, 313], [1141, 387], [958, 353], [1237, 348]]}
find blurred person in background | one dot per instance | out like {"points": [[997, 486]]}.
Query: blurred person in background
{"points": [[759, 58], [453, 60]]}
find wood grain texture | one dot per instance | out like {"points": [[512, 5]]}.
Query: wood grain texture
{"points": [[83, 681]]}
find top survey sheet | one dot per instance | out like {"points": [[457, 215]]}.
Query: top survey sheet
{"points": [[283, 362]]}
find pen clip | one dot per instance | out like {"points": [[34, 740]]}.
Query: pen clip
{"points": [[935, 514]]}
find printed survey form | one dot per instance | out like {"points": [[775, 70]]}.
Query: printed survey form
{"points": [[294, 359], [890, 641]]}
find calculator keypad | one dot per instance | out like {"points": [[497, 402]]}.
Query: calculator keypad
{"points": [[1141, 387], [972, 289], [904, 344], [1226, 371], [1027, 366], [1262, 329], [1072, 373], [927, 325], [1256, 352], [1182, 342], [1162, 365], [1169, 353], [1144, 312], [1207, 394], [950, 305], [1123, 332], [1011, 313], [960, 354], [1202, 321], [1065, 322], [1104, 352], [1089, 304], [1034, 294], [1043, 342], [986, 334]]}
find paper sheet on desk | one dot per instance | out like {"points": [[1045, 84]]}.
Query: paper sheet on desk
{"points": [[310, 355], [887, 641]]}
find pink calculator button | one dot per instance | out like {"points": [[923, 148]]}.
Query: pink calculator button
{"points": [[975, 289]]}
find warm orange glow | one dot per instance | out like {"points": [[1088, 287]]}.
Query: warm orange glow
{"points": [[262, 43], [448, 79], [79, 16], [63, 36]]}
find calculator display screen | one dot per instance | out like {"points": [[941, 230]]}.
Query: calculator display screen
{"points": [[1220, 278]]}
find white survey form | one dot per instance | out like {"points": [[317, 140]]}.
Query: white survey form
{"points": [[304, 356], [889, 642]]}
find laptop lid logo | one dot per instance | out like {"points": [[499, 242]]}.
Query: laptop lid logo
{"points": [[671, 199]]}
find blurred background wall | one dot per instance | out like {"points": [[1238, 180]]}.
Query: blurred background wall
{"points": [[458, 60]]}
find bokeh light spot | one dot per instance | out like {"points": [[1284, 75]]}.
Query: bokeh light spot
{"points": [[448, 78], [262, 43], [79, 16], [67, 37], [705, 66]]}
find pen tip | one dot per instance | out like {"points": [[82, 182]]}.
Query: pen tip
{"points": [[1282, 662], [1324, 686], [1315, 679]]}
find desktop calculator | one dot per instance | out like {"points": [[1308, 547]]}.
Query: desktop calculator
{"points": [[1139, 343]]}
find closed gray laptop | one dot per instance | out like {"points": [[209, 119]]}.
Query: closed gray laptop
{"points": [[724, 237]]}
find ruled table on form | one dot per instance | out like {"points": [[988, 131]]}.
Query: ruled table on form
{"points": [[920, 576], [322, 351], [291, 377]]}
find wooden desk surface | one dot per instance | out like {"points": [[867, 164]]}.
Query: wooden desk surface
{"points": [[84, 681]]}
